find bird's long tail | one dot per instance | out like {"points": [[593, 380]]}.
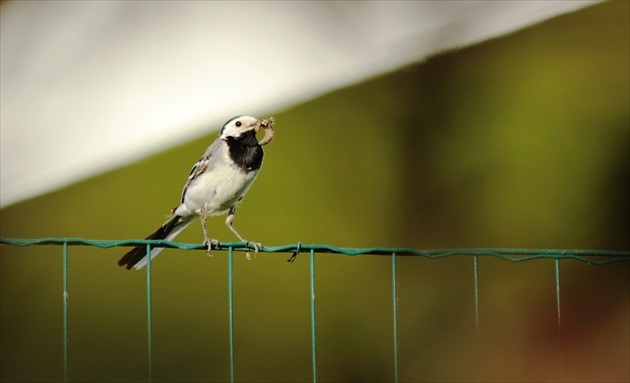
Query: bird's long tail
{"points": [[138, 255]]}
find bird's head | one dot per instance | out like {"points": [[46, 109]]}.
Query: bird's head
{"points": [[241, 125]]}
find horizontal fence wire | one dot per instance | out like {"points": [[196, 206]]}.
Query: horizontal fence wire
{"points": [[593, 257]]}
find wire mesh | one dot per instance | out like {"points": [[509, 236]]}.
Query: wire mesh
{"points": [[593, 257]]}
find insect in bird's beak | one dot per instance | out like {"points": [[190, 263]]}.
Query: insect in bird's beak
{"points": [[267, 125]]}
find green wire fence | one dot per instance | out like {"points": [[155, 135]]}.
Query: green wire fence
{"points": [[593, 257]]}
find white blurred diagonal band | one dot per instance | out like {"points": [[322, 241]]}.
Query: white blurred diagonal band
{"points": [[90, 86]]}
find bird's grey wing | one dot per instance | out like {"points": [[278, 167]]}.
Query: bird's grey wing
{"points": [[201, 166]]}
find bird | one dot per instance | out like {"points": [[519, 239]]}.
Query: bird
{"points": [[215, 186]]}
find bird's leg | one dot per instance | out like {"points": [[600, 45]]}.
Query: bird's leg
{"points": [[228, 222], [206, 241]]}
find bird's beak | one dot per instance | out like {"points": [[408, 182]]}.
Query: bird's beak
{"points": [[267, 125]]}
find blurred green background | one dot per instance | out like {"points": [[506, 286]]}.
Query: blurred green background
{"points": [[522, 141]]}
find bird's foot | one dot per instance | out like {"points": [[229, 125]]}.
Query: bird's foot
{"points": [[257, 246], [209, 243]]}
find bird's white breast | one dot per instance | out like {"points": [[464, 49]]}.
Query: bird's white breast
{"points": [[220, 187]]}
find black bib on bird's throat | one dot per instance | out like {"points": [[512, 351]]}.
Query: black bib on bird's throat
{"points": [[245, 151]]}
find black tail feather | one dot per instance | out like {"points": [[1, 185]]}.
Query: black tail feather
{"points": [[137, 253]]}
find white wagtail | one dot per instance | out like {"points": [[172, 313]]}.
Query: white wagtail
{"points": [[216, 184]]}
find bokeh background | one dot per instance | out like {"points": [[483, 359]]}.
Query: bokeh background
{"points": [[518, 142]]}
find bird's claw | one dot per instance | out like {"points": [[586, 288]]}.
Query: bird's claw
{"points": [[257, 246], [209, 243]]}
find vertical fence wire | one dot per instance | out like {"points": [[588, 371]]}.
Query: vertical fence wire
{"points": [[313, 332], [395, 308], [149, 318], [231, 310], [65, 312], [557, 267], [476, 281]]}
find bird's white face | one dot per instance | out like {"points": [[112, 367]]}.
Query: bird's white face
{"points": [[237, 126]]}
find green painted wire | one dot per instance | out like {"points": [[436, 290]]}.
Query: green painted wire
{"points": [[65, 312], [149, 316], [395, 309], [557, 267], [313, 326], [231, 310], [511, 255], [476, 280]]}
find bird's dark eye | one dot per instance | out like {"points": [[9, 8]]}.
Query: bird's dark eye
{"points": [[238, 124]]}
